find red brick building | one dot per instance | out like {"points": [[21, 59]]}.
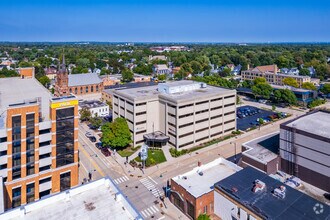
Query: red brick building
{"points": [[78, 84], [193, 192]]}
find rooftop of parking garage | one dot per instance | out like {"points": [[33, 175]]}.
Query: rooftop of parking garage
{"points": [[181, 92], [16, 91]]}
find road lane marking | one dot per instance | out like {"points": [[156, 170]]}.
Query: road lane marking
{"points": [[92, 161], [144, 214], [152, 180], [161, 218], [156, 208]]}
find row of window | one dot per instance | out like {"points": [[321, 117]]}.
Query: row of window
{"points": [[86, 89]]}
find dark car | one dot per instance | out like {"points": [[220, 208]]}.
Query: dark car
{"points": [[105, 152], [98, 145], [92, 139]]}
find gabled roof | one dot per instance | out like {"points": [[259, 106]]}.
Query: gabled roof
{"points": [[83, 79], [263, 69]]}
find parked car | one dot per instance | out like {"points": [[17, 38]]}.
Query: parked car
{"points": [[98, 145], [88, 134], [92, 139], [105, 151]]}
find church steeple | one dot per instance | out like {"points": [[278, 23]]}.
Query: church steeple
{"points": [[62, 67]]}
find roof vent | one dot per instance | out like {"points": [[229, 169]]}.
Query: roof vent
{"points": [[203, 85], [280, 192], [201, 173], [258, 186], [184, 177], [234, 189]]}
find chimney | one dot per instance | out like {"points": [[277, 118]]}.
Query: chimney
{"points": [[199, 163], [275, 68]]}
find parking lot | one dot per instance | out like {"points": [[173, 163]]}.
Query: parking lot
{"points": [[247, 116]]}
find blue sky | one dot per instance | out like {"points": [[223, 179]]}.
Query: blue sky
{"points": [[166, 21]]}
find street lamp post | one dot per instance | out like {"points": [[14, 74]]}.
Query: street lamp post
{"points": [[235, 151]]}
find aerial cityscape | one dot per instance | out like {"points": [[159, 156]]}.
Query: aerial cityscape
{"points": [[165, 110]]}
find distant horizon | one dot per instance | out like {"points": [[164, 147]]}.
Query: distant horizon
{"points": [[191, 21], [170, 42]]}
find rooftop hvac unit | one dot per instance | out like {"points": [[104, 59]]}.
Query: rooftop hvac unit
{"points": [[258, 186], [280, 192]]}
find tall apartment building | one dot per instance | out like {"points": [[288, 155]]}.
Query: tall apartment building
{"points": [[305, 148], [182, 113], [272, 75], [38, 142]]}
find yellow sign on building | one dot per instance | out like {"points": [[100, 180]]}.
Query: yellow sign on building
{"points": [[64, 104]]}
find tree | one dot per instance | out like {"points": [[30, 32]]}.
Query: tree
{"points": [[309, 86], [273, 108], [161, 77], [226, 72], [116, 134], [95, 122], [44, 80], [247, 84], [196, 67], [127, 75], [262, 90], [290, 82], [326, 88], [286, 96], [261, 121], [259, 80], [203, 217], [304, 72], [85, 114], [83, 62]]}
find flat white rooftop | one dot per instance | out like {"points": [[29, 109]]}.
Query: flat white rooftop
{"points": [[184, 90], [201, 180], [96, 200], [263, 148], [15, 90], [316, 123]]}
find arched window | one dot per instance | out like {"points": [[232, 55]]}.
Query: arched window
{"points": [[92, 88], [86, 89], [81, 89], [70, 90], [97, 88], [75, 90]]}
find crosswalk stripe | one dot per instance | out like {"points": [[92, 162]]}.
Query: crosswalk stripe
{"points": [[156, 208], [144, 214], [153, 209], [150, 210], [146, 210], [116, 181]]}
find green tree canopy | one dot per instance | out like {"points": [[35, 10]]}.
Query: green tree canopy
{"points": [[326, 88], [290, 82], [127, 75], [308, 85], [161, 77], [85, 114], [96, 122], [116, 134], [203, 217], [304, 72], [44, 80], [263, 90], [259, 80], [286, 96]]}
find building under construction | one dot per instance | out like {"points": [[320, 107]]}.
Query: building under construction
{"points": [[305, 148]]}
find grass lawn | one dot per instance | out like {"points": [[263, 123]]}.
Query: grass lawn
{"points": [[154, 157], [128, 151]]}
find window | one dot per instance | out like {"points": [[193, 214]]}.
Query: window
{"points": [[65, 181], [203, 102], [185, 106], [30, 156], [228, 97], [203, 120], [3, 153], [45, 180], [186, 125], [205, 209], [97, 88], [216, 125], [231, 104], [203, 129], [30, 192], [190, 210], [229, 113], [3, 166], [141, 122], [226, 122], [16, 194], [140, 132], [4, 139], [140, 104], [185, 135], [30, 169], [171, 115], [217, 116], [44, 168], [215, 108], [44, 193], [171, 124], [76, 90], [44, 131], [81, 90], [16, 172], [42, 156], [86, 89], [30, 143], [141, 113], [92, 88], [186, 115]]}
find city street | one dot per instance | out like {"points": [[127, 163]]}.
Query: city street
{"points": [[143, 189]]}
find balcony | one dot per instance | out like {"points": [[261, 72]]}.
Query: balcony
{"points": [[3, 159], [4, 172], [45, 161], [45, 137], [45, 186], [3, 146], [45, 125]]}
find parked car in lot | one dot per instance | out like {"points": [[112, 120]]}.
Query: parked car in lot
{"points": [[88, 134], [98, 145], [92, 139], [105, 151]]}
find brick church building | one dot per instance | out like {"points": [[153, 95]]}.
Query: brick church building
{"points": [[77, 84]]}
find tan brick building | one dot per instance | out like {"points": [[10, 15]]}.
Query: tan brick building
{"points": [[272, 75], [187, 113], [38, 141], [193, 192]]}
